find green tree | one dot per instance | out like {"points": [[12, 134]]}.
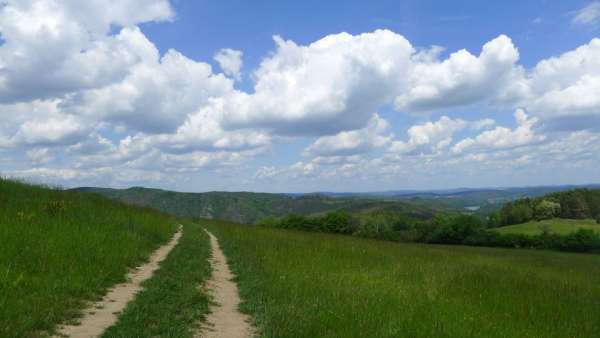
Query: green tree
{"points": [[546, 209]]}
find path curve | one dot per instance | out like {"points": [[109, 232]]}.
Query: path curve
{"points": [[103, 314], [225, 319]]}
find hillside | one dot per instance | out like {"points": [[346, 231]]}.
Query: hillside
{"points": [[300, 284], [61, 249], [572, 204], [248, 207]]}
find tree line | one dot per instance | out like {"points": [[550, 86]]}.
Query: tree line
{"points": [[442, 229], [574, 204]]}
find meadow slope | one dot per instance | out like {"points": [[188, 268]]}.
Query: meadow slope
{"points": [[61, 249], [298, 284]]}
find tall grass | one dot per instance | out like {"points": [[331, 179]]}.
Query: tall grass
{"points": [[59, 249], [298, 284]]}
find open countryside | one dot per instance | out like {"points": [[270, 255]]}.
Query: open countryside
{"points": [[301, 169]]}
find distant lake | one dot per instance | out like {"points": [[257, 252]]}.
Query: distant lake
{"points": [[473, 208]]}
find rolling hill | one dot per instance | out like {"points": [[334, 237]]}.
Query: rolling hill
{"points": [[249, 207]]}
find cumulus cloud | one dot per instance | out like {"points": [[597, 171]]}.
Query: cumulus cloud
{"points": [[347, 143], [562, 90], [429, 137], [230, 61], [462, 78], [502, 137], [334, 84], [54, 47], [85, 95], [157, 95]]}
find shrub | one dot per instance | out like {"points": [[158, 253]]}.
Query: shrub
{"points": [[546, 209], [337, 222], [582, 240], [457, 229]]}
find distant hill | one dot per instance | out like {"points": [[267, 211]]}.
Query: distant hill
{"points": [[466, 196], [249, 207]]}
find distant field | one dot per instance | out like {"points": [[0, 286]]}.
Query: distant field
{"points": [[59, 249], [299, 284], [556, 225]]}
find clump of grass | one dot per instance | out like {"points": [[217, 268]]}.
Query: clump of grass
{"points": [[60, 249], [298, 284], [171, 303]]}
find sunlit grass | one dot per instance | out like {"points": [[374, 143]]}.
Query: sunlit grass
{"points": [[59, 249], [298, 284], [557, 225]]}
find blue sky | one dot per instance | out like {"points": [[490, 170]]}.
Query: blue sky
{"points": [[132, 93]]}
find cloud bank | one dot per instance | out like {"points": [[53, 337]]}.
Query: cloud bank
{"points": [[86, 97]]}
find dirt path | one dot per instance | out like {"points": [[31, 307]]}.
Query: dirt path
{"points": [[225, 320], [104, 313]]}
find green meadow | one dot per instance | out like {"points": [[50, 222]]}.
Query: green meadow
{"points": [[299, 284], [558, 226], [61, 249], [172, 303]]}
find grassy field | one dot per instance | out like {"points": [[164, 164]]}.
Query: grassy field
{"points": [[298, 284], [556, 225], [171, 304], [59, 249]]}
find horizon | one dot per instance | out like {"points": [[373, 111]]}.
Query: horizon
{"points": [[239, 96], [401, 191]]}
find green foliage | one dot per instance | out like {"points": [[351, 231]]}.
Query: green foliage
{"points": [[574, 204], [251, 208], [299, 284], [337, 222], [494, 220], [546, 209], [556, 225], [60, 249], [442, 229], [381, 225]]}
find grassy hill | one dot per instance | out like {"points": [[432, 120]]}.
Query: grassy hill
{"points": [[60, 249], [299, 284], [248, 207], [556, 225]]}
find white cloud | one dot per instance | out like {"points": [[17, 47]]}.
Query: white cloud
{"points": [[430, 137], [85, 95], [502, 137], [590, 14], [353, 142], [461, 79], [54, 47], [562, 91], [334, 84], [230, 61]]}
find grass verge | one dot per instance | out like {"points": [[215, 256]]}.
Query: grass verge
{"points": [[298, 284], [59, 249], [171, 303]]}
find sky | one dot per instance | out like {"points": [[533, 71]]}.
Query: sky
{"points": [[300, 96]]}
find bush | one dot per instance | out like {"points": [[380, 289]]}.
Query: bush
{"points": [[375, 226], [457, 229], [546, 209], [583, 240], [337, 222]]}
